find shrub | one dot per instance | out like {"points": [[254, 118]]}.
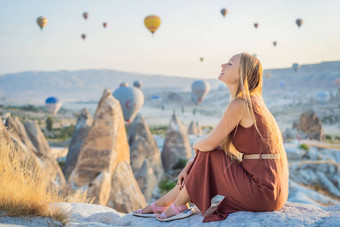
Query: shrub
{"points": [[158, 130], [328, 137], [180, 164], [304, 147], [49, 123], [166, 185], [24, 188]]}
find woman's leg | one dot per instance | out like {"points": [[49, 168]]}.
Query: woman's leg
{"points": [[165, 200], [182, 199]]}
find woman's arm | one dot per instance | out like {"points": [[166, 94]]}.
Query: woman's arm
{"points": [[231, 117]]}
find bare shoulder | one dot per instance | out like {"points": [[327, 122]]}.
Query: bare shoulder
{"points": [[238, 105]]}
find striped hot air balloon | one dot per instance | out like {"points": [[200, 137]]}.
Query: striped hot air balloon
{"points": [[42, 21]]}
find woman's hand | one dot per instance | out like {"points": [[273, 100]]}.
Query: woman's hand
{"points": [[182, 177]]}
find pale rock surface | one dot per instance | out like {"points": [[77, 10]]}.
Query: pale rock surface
{"points": [[17, 129], [146, 180], [37, 138], [79, 134], [86, 215], [125, 195], [322, 174]]}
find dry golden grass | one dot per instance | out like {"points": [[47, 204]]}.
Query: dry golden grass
{"points": [[24, 188]]}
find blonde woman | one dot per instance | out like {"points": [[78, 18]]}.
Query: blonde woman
{"points": [[243, 158]]}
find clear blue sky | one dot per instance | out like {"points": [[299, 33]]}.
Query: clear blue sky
{"points": [[190, 29]]}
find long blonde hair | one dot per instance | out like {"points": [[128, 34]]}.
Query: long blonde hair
{"points": [[249, 89]]}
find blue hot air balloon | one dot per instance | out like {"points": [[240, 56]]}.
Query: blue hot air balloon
{"points": [[52, 105], [282, 84], [199, 89], [138, 84], [322, 97], [131, 100]]}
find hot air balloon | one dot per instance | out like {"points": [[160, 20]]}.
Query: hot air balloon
{"points": [[199, 89], [201, 59], [42, 21], [322, 97], [256, 25], [267, 74], [274, 43], [137, 84], [295, 66], [52, 105], [224, 12], [152, 23], [156, 100], [131, 100], [299, 22], [337, 81], [83, 36], [123, 84], [85, 15], [104, 24], [282, 84]]}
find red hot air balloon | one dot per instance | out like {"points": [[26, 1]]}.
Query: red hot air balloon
{"points": [[104, 24], [256, 25]]}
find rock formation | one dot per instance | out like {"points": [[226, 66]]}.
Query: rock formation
{"points": [[199, 129], [146, 180], [79, 134], [311, 125], [105, 149], [37, 138], [176, 146], [17, 129], [39, 150], [192, 128], [144, 156]]}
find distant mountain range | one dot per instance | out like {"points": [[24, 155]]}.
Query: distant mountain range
{"points": [[87, 85]]}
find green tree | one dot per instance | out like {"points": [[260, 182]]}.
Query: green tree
{"points": [[49, 123]]}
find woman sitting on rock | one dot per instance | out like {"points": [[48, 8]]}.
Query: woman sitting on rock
{"points": [[242, 159]]}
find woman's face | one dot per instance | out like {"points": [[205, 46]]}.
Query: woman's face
{"points": [[230, 73]]}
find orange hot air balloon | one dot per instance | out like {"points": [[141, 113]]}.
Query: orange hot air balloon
{"points": [[42, 21], [104, 24], [224, 12], [85, 15], [299, 22], [256, 25], [152, 23], [83, 36]]}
